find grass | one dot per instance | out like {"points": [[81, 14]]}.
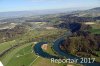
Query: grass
{"points": [[11, 59], [98, 52], [26, 59], [97, 58], [96, 26], [37, 34], [95, 31], [45, 62], [6, 45], [50, 50]]}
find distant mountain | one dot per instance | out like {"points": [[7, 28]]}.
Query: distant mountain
{"points": [[51, 15], [76, 11], [94, 12], [33, 13], [96, 9]]}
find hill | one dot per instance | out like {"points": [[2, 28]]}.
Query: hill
{"points": [[94, 12]]}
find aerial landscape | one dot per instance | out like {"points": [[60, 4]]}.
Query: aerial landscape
{"points": [[49, 32]]}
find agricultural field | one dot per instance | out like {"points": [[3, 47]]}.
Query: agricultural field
{"points": [[95, 31], [20, 56], [24, 50], [6, 45], [95, 27]]}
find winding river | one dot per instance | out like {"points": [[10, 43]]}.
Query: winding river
{"points": [[57, 48], [38, 50]]}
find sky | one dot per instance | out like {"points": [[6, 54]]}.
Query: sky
{"points": [[22, 5]]}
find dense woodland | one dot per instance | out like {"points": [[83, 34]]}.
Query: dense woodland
{"points": [[82, 43]]}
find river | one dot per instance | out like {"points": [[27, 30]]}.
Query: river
{"points": [[56, 46]]}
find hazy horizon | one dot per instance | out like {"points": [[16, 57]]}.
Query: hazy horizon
{"points": [[69, 9], [31, 5]]}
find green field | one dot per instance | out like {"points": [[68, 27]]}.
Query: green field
{"points": [[45, 62], [95, 27], [6, 45], [22, 55], [95, 31]]}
